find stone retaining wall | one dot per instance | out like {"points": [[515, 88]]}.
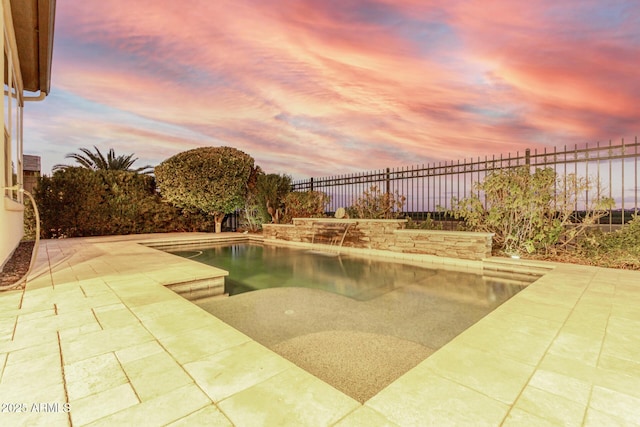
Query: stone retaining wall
{"points": [[389, 235]]}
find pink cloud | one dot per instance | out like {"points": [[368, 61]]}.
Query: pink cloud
{"points": [[313, 88]]}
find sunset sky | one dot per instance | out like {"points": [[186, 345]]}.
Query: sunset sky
{"points": [[324, 87]]}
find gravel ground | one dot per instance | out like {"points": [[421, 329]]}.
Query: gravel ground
{"points": [[17, 265], [359, 347]]}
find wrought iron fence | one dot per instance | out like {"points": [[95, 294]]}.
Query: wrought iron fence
{"points": [[429, 188]]}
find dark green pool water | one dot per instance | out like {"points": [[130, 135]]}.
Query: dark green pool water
{"points": [[253, 267]]}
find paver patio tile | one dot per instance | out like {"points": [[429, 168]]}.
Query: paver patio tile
{"points": [[291, 398], [611, 362], [570, 367], [611, 402], [139, 351], [3, 361], [162, 410], [154, 375], [54, 322], [587, 317], [135, 294], [115, 316], [199, 343], [93, 375], [35, 419], [518, 418], [584, 346], [10, 301], [562, 297], [365, 417], [521, 338], [94, 286], [425, 398], [181, 321], [499, 378], [102, 404], [207, 416], [552, 407], [238, 368], [543, 310], [70, 305], [162, 308], [32, 374], [595, 418], [72, 332], [34, 352], [7, 327], [562, 385], [93, 344]]}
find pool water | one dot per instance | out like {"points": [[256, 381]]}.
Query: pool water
{"points": [[254, 267], [356, 323]]}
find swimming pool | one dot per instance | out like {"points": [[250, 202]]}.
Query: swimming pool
{"points": [[356, 323], [254, 267]]}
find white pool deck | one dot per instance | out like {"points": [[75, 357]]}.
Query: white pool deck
{"points": [[96, 328]]}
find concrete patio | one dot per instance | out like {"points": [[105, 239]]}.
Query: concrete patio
{"points": [[97, 328]]}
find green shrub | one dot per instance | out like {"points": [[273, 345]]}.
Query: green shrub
{"points": [[525, 211], [618, 249], [304, 204], [374, 204], [272, 189], [426, 224], [213, 180], [77, 202]]}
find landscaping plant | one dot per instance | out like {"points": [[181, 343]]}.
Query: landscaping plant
{"points": [[213, 180], [76, 202], [374, 204], [531, 212], [304, 204], [272, 189], [618, 249]]}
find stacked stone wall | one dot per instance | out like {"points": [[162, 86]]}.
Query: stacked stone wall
{"points": [[389, 235]]}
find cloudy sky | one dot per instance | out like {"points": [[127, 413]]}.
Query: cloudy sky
{"points": [[324, 87]]}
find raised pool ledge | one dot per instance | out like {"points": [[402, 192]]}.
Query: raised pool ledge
{"points": [[387, 235]]}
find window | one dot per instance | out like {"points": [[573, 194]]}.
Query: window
{"points": [[13, 103]]}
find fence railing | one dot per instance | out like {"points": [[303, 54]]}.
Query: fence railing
{"points": [[429, 188]]}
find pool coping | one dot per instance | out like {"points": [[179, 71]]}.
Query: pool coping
{"points": [[563, 350]]}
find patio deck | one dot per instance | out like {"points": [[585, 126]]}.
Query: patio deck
{"points": [[96, 328]]}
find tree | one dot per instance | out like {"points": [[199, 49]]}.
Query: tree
{"points": [[97, 161], [208, 179]]}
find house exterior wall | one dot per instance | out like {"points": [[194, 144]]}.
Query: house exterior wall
{"points": [[11, 207]]}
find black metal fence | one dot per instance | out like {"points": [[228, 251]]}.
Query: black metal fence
{"points": [[429, 188]]}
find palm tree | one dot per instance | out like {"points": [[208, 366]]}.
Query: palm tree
{"points": [[97, 161]]}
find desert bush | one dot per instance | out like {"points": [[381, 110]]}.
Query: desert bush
{"points": [[531, 212], [618, 249], [426, 224], [374, 204], [304, 204]]}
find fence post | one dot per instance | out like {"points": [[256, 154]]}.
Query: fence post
{"points": [[388, 181], [311, 181], [527, 157]]}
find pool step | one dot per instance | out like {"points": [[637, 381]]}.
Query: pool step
{"points": [[513, 269], [205, 300], [199, 289]]}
